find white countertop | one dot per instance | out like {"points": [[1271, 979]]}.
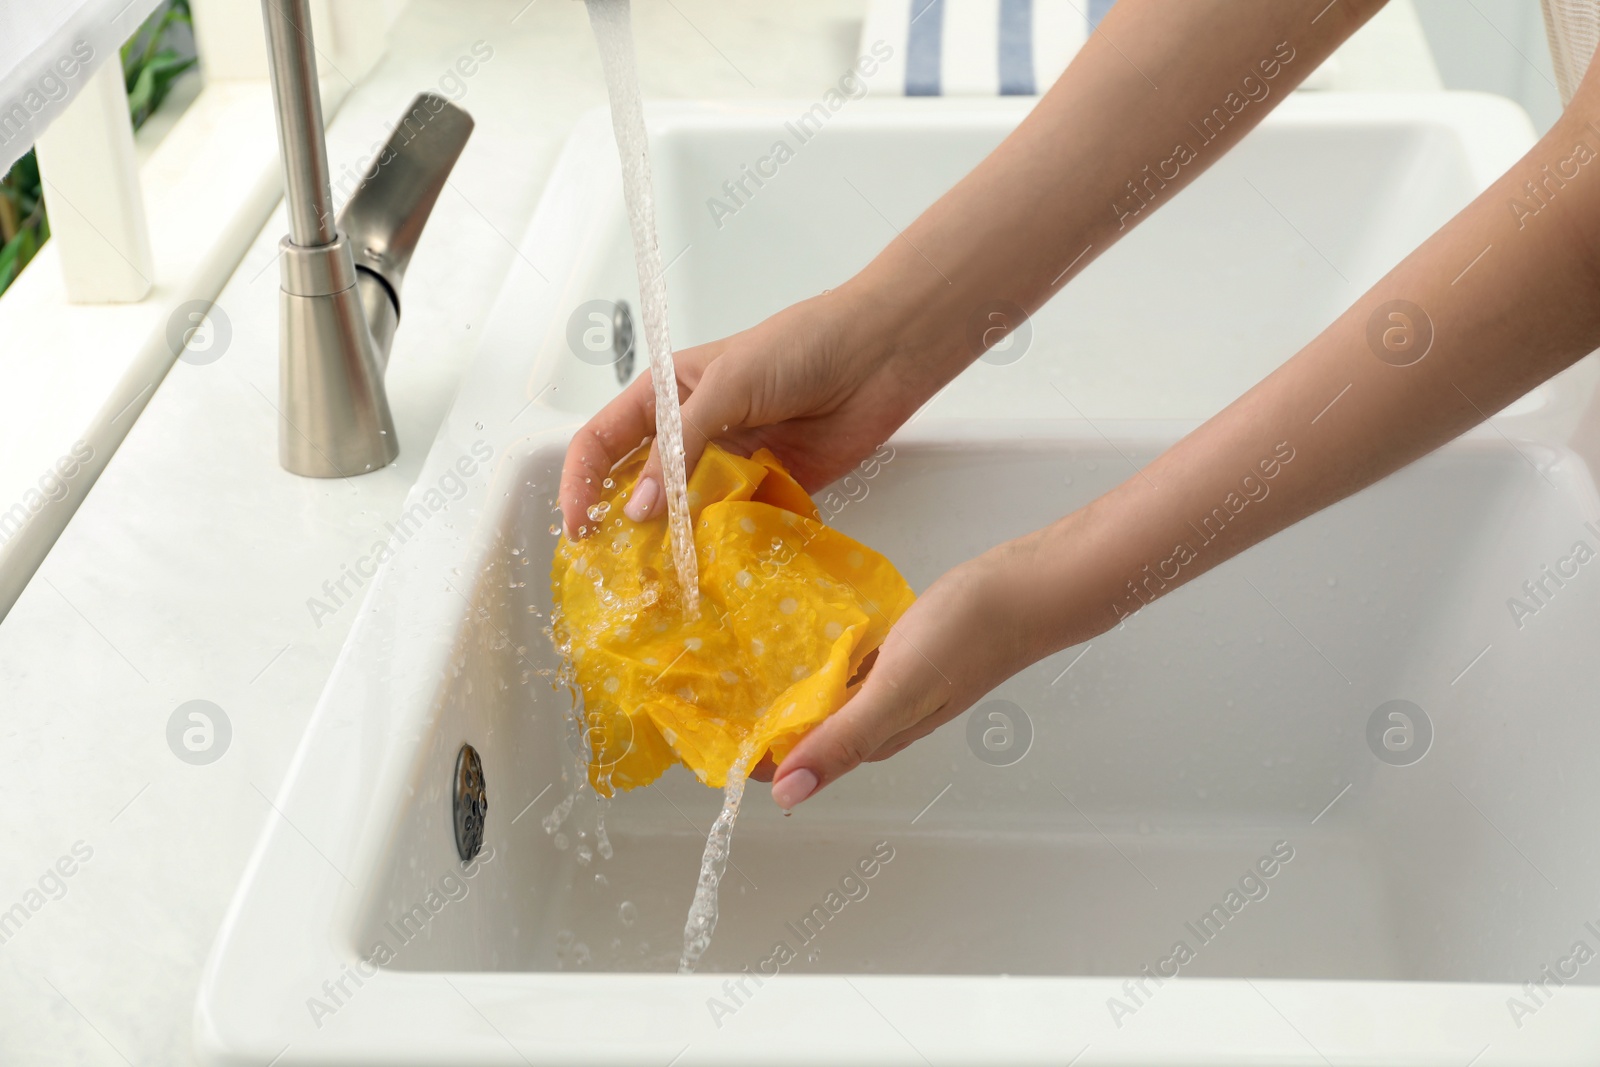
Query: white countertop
{"points": [[186, 573]]}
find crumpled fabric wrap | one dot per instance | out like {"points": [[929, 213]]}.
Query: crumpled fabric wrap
{"points": [[789, 608]]}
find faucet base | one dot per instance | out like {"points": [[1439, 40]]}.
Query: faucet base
{"points": [[334, 419]]}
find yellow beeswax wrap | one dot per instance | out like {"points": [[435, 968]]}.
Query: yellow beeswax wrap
{"points": [[788, 610]]}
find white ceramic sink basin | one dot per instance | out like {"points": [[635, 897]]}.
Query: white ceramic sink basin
{"points": [[978, 899], [1195, 305]]}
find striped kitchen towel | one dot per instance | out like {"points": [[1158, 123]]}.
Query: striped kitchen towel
{"points": [[975, 47]]}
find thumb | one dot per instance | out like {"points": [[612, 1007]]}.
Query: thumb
{"points": [[895, 696], [714, 404]]}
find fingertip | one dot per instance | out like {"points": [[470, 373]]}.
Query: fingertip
{"points": [[794, 787], [642, 501]]}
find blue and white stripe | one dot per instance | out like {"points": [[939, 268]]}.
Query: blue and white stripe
{"points": [[1016, 48], [977, 47]]}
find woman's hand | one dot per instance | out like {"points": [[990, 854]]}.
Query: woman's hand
{"points": [[816, 383], [980, 623]]}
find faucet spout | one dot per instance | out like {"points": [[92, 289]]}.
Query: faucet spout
{"points": [[292, 64], [340, 296]]}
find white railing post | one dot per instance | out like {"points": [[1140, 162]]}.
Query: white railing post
{"points": [[351, 37], [91, 190], [230, 40], [357, 32]]}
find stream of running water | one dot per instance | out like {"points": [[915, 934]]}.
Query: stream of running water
{"points": [[613, 30]]}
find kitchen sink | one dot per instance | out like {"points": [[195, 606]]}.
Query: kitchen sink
{"points": [[1340, 786]]}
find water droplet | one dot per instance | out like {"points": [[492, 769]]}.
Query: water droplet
{"points": [[555, 529], [598, 511], [628, 913]]}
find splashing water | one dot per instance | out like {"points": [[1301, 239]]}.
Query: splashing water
{"points": [[713, 864], [613, 31], [558, 815]]}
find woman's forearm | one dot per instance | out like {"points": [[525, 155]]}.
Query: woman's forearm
{"points": [[1508, 292], [1155, 97]]}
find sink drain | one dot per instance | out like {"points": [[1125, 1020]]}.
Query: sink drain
{"points": [[471, 803], [622, 341]]}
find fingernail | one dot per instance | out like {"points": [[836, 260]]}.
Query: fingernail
{"points": [[643, 500], [792, 788]]}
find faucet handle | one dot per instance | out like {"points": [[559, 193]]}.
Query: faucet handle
{"points": [[385, 218]]}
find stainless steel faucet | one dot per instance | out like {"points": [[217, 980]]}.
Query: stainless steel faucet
{"points": [[340, 299]]}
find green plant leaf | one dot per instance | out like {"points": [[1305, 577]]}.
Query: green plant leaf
{"points": [[155, 82], [8, 261], [16, 254]]}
